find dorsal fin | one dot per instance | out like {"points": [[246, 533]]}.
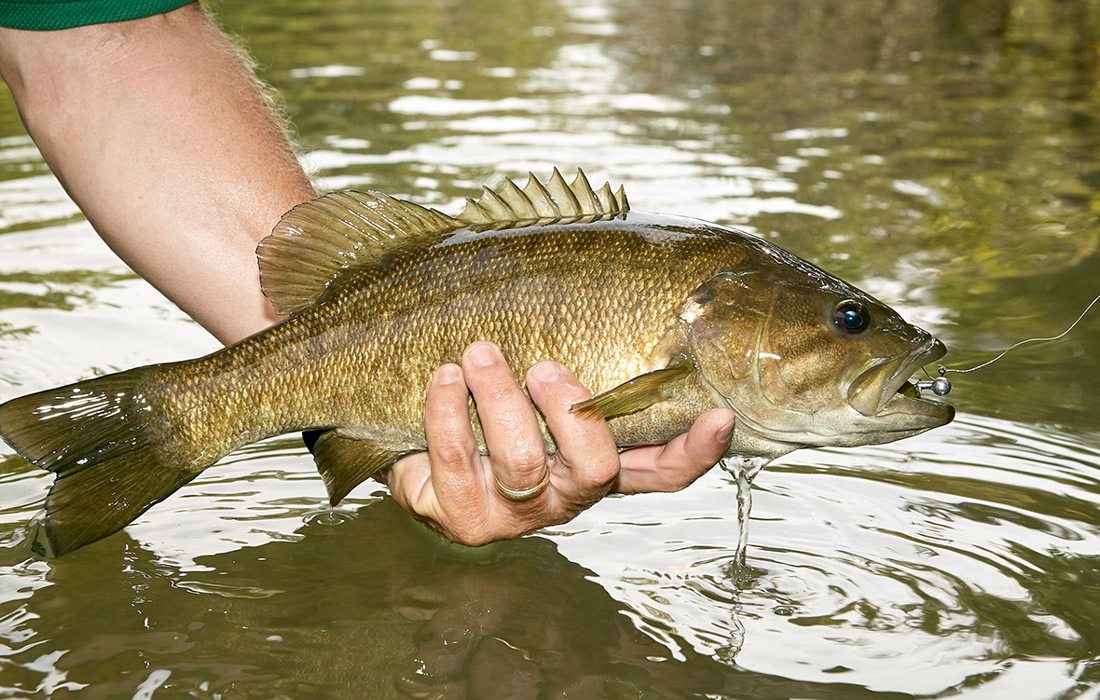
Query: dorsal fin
{"points": [[541, 203], [316, 241]]}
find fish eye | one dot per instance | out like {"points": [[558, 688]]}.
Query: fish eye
{"points": [[851, 316]]}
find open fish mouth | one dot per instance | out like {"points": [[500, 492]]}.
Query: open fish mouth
{"points": [[885, 386]]}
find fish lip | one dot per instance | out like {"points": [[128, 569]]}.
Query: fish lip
{"points": [[904, 366]]}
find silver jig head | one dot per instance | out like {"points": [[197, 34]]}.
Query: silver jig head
{"points": [[940, 386]]}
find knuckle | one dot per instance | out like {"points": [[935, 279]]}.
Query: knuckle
{"points": [[597, 470], [444, 411], [604, 468], [601, 484], [527, 460], [492, 382], [498, 388], [450, 452]]}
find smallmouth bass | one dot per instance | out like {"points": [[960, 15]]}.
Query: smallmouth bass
{"points": [[662, 317]]}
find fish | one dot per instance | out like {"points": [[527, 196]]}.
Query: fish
{"points": [[662, 316]]}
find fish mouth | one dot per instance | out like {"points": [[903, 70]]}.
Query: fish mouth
{"points": [[884, 388]]}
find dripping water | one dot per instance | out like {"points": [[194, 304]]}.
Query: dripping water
{"points": [[743, 470]]}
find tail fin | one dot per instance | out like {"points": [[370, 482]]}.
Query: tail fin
{"points": [[95, 435]]}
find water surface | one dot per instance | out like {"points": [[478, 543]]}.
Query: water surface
{"points": [[942, 155]]}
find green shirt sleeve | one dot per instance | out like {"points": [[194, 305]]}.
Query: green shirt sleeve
{"points": [[66, 14]]}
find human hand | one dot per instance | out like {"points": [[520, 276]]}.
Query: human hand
{"points": [[455, 488]]}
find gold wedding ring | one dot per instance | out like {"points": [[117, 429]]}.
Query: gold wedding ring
{"points": [[520, 495]]}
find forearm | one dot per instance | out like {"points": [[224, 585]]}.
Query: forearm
{"points": [[159, 132]]}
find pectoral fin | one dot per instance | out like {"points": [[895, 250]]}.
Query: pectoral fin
{"points": [[345, 462], [635, 394]]}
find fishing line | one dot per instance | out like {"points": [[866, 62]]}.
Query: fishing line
{"points": [[941, 385]]}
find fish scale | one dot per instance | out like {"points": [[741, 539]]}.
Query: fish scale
{"points": [[662, 317]]}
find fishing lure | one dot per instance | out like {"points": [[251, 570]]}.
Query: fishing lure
{"points": [[941, 385]]}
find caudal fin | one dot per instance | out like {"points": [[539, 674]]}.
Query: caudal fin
{"points": [[96, 436]]}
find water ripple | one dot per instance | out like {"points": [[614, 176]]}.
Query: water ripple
{"points": [[910, 552]]}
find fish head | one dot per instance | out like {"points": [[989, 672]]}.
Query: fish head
{"points": [[805, 359]]}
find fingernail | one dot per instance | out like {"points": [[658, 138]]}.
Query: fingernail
{"points": [[483, 354], [726, 430], [547, 371], [448, 374]]}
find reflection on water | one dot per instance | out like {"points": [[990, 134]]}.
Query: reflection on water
{"points": [[408, 616], [957, 561], [940, 154]]}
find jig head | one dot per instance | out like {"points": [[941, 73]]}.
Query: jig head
{"points": [[940, 386]]}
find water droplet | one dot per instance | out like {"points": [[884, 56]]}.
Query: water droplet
{"points": [[328, 516]]}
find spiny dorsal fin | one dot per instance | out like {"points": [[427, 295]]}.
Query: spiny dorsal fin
{"points": [[316, 241], [541, 203]]}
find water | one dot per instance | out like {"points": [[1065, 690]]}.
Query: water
{"points": [[743, 471], [942, 155]]}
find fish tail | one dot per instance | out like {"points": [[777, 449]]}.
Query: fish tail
{"points": [[98, 437]]}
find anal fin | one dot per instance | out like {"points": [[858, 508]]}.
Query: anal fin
{"points": [[345, 462], [633, 395]]}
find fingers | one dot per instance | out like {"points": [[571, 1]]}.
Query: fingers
{"points": [[451, 485], [512, 436], [585, 447], [452, 449], [673, 466], [447, 479]]}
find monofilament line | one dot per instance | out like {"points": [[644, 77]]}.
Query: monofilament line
{"points": [[944, 370]]}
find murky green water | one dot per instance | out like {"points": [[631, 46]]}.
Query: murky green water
{"points": [[943, 155]]}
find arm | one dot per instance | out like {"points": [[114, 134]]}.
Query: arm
{"points": [[158, 130], [161, 134]]}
